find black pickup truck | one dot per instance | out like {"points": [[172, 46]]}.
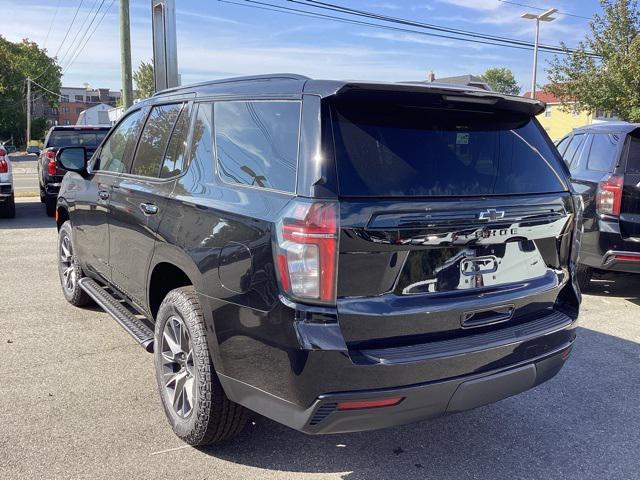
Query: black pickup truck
{"points": [[49, 172]]}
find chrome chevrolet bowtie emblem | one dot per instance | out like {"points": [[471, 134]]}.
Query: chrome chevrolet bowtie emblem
{"points": [[491, 214]]}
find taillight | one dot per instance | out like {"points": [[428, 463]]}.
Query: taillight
{"points": [[4, 166], [375, 403], [51, 166], [306, 251], [609, 196]]}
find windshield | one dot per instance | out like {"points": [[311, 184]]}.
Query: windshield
{"points": [[398, 150], [76, 138]]}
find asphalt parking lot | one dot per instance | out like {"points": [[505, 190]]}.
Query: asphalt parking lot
{"points": [[78, 400]]}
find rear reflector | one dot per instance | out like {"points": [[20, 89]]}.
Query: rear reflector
{"points": [[627, 258], [4, 166], [363, 404]]}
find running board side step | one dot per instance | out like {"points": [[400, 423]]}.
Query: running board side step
{"points": [[127, 320]]}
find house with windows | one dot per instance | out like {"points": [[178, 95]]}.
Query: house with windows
{"points": [[558, 120]]}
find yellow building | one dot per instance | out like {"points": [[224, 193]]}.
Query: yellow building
{"points": [[559, 121]]}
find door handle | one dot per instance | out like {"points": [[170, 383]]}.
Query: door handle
{"points": [[149, 208], [103, 194]]}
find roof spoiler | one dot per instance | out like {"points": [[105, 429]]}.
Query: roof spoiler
{"points": [[462, 95]]}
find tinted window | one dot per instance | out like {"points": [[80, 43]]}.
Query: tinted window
{"points": [[573, 147], [603, 152], [562, 145], [202, 137], [257, 143], [633, 158], [388, 150], [174, 159], [116, 152], [76, 138], [154, 139]]}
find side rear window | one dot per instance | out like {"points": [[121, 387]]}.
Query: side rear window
{"points": [[633, 156], [154, 140], [176, 150], [116, 152], [573, 149], [604, 148], [257, 143], [562, 145], [399, 150]]}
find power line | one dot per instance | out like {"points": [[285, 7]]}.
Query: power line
{"points": [[104, 13], [75, 15], [386, 18], [80, 45], [521, 45], [55, 14], [566, 14], [75, 37]]}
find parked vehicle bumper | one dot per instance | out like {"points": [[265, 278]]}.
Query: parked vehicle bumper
{"points": [[334, 412], [293, 375], [599, 250], [6, 190]]}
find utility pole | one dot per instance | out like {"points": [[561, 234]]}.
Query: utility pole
{"points": [[125, 54], [543, 17], [28, 110]]}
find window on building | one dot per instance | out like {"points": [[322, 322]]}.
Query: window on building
{"points": [[154, 139], [547, 111], [95, 98], [79, 98], [67, 122], [64, 98], [257, 143]]}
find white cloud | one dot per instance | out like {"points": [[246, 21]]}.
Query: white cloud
{"points": [[474, 4], [388, 6], [420, 39]]}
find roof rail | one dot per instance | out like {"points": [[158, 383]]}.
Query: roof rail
{"points": [[249, 78]]}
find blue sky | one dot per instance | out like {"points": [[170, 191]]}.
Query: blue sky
{"points": [[218, 39]]}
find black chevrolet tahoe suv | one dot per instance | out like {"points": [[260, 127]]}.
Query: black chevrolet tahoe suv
{"points": [[604, 160], [50, 173], [336, 256]]}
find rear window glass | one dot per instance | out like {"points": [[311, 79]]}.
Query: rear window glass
{"points": [[76, 138], [633, 158], [390, 150], [257, 143], [603, 152]]}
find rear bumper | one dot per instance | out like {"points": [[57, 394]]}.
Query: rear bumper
{"points": [[51, 189], [598, 249], [419, 402], [6, 191]]}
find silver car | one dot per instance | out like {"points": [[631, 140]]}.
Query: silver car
{"points": [[7, 199]]}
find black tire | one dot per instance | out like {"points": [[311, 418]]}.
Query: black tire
{"points": [[8, 208], [212, 417], [50, 206], [70, 286], [584, 274]]}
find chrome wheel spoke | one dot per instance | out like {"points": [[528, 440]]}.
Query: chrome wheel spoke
{"points": [[178, 372]]}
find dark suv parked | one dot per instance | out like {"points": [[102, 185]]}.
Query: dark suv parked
{"points": [[337, 256], [604, 160], [49, 171]]}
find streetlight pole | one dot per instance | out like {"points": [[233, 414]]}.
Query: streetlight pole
{"points": [[543, 17]]}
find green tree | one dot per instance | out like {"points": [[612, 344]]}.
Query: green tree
{"points": [[609, 81], [143, 77], [501, 80], [38, 128], [17, 62]]}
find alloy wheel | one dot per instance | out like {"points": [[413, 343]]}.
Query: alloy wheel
{"points": [[68, 269], [178, 372]]}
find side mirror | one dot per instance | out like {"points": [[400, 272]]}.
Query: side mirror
{"points": [[73, 159]]}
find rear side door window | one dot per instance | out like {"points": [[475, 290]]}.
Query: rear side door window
{"points": [[603, 152], [562, 145], [257, 143], [154, 140], [633, 157], [573, 150], [116, 151], [174, 159]]}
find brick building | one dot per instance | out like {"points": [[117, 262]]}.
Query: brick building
{"points": [[73, 101]]}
